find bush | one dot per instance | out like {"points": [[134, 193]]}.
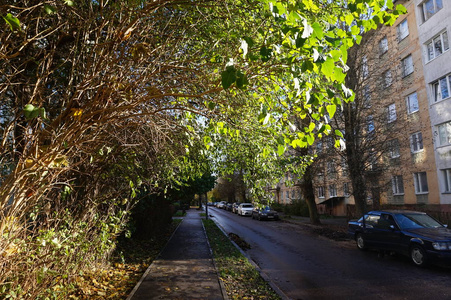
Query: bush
{"points": [[296, 208]]}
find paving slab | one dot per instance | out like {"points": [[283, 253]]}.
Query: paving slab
{"points": [[184, 269]]}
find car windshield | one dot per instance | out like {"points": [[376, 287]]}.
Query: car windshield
{"points": [[412, 221], [247, 205]]}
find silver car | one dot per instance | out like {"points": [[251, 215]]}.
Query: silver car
{"points": [[245, 209]]}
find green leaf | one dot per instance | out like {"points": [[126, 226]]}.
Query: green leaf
{"points": [[49, 9], [207, 142], [307, 66], [280, 150], [355, 30], [338, 133], [281, 9], [13, 22], [300, 42], [328, 67], [30, 112], [401, 9], [228, 77], [241, 80], [348, 19], [211, 105], [331, 109], [69, 2], [249, 41], [265, 53], [318, 30]]}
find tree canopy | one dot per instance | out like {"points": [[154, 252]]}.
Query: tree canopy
{"points": [[100, 98]]}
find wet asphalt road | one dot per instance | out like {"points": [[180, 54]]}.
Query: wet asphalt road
{"points": [[305, 266]]}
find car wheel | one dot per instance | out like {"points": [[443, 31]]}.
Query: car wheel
{"points": [[418, 256], [360, 242]]}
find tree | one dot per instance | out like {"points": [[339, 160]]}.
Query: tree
{"points": [[369, 125], [101, 98]]}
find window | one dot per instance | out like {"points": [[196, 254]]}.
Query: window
{"points": [[366, 96], [421, 182], [403, 30], [412, 103], [370, 124], [320, 192], [447, 180], [416, 142], [387, 78], [393, 148], [441, 88], [344, 166], [444, 134], [397, 185], [407, 66], [365, 70], [319, 147], [346, 189], [287, 195], [332, 190], [391, 113], [429, 7], [437, 46], [330, 167], [383, 45], [330, 141], [372, 161]]}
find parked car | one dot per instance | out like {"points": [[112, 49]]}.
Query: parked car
{"points": [[245, 209], [221, 204], [412, 233], [228, 206], [264, 212], [235, 207]]}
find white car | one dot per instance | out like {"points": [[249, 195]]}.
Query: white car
{"points": [[245, 209], [221, 204]]}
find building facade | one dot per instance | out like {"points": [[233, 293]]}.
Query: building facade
{"points": [[403, 96], [434, 25]]}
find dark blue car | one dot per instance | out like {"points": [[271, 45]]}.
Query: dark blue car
{"points": [[412, 233]]}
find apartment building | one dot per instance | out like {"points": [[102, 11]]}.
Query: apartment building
{"points": [[404, 93], [434, 24]]}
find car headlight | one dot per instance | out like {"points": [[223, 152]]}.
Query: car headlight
{"points": [[441, 246], [264, 214]]}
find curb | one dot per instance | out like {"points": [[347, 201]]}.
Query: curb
{"points": [[254, 264]]}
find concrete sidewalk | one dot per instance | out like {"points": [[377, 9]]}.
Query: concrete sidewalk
{"points": [[184, 269]]}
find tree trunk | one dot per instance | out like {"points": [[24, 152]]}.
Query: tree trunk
{"points": [[309, 195]]}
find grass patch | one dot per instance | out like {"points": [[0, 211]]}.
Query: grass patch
{"points": [[179, 213], [240, 278]]}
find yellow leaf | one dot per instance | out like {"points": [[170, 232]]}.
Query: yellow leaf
{"points": [[77, 112]]}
